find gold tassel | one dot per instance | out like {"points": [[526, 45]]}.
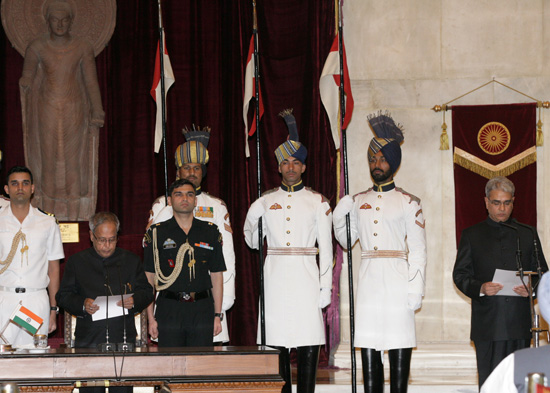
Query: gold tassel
{"points": [[444, 138], [540, 136]]}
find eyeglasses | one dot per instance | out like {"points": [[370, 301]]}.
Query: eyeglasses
{"points": [[103, 240], [497, 203]]}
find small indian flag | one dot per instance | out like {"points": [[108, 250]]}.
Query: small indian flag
{"points": [[25, 318]]}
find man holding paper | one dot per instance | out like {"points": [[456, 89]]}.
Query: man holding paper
{"points": [[500, 322], [96, 272]]}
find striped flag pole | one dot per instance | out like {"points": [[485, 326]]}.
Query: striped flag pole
{"points": [[343, 125], [162, 81], [259, 112]]}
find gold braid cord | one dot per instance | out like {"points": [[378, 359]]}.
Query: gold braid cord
{"points": [[19, 236], [162, 281]]}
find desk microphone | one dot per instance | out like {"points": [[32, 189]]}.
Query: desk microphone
{"points": [[106, 346], [535, 245], [124, 346]]}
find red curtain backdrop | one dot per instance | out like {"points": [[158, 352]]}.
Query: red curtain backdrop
{"points": [[520, 120], [208, 42]]}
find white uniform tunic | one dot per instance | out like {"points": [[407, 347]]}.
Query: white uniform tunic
{"points": [[213, 210], [390, 228], [293, 221], [4, 202], [28, 269]]}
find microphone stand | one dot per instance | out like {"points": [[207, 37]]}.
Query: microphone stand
{"points": [[536, 330], [106, 346], [123, 346]]}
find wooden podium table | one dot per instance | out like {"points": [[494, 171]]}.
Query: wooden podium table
{"points": [[219, 369]]}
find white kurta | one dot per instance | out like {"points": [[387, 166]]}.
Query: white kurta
{"points": [[29, 269], [211, 209], [292, 283], [386, 221]]}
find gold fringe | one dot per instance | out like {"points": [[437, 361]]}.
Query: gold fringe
{"points": [[489, 171], [444, 138]]}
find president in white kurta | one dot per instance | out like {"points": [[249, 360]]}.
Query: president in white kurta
{"points": [[389, 224], [297, 223]]}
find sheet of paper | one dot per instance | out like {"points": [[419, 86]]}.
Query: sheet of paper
{"points": [[114, 310], [509, 280]]}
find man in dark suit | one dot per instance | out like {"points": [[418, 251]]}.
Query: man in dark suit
{"points": [[500, 323]]}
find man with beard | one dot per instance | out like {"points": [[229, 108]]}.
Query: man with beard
{"points": [[191, 160], [389, 224], [500, 323], [295, 219], [184, 263]]}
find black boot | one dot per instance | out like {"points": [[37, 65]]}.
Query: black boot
{"points": [[373, 371], [308, 359], [400, 365], [284, 368]]}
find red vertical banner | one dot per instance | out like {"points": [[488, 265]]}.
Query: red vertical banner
{"points": [[489, 141]]}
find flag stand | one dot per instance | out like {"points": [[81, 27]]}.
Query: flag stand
{"points": [[346, 192], [259, 170], [163, 101]]}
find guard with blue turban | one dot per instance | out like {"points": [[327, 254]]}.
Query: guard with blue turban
{"points": [[389, 224], [191, 159], [298, 224]]}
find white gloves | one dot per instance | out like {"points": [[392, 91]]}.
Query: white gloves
{"points": [[227, 303], [414, 301], [257, 210], [325, 297], [344, 207]]}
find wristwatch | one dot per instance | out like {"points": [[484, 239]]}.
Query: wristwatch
{"points": [[55, 308], [220, 315]]}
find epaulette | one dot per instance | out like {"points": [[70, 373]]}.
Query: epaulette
{"points": [[323, 198], [216, 198], [413, 198], [363, 192], [270, 191], [159, 199], [48, 214]]}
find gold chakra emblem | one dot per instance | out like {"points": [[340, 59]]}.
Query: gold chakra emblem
{"points": [[493, 138]]}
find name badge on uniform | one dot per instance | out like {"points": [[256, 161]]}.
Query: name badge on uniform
{"points": [[204, 245], [168, 244]]}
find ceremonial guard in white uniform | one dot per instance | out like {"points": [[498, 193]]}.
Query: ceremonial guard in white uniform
{"points": [[295, 220], [191, 159], [389, 224], [30, 250]]}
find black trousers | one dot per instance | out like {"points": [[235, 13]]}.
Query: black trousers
{"points": [[490, 353], [185, 324]]}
